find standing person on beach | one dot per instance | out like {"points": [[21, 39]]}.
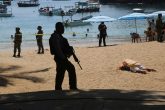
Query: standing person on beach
{"points": [[103, 33], [159, 26], [153, 29], [17, 42], [39, 40], [60, 48], [153, 25]]}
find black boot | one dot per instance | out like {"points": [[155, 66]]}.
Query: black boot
{"points": [[18, 55], [14, 55]]}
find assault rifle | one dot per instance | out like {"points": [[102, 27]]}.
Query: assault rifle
{"points": [[75, 58]]}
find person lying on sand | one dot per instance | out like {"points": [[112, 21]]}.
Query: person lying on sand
{"points": [[134, 66]]}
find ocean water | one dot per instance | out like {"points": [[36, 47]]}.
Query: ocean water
{"points": [[28, 18]]}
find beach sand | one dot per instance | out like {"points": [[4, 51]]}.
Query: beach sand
{"points": [[36, 72]]}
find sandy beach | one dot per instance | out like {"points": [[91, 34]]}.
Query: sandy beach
{"points": [[36, 72]]}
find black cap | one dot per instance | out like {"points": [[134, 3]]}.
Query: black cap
{"points": [[39, 27]]}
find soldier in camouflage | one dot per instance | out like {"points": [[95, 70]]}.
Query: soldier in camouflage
{"points": [[39, 40], [17, 42]]}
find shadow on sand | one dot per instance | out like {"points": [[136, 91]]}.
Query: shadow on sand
{"points": [[5, 78], [101, 99]]}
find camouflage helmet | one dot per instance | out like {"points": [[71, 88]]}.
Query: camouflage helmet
{"points": [[17, 28]]}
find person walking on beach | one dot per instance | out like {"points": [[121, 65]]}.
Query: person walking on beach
{"points": [[103, 33], [17, 42], [159, 26], [39, 36], [60, 48]]}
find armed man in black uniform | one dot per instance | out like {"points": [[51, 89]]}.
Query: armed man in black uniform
{"points": [[17, 42], [103, 33], [159, 26], [60, 48], [39, 40]]}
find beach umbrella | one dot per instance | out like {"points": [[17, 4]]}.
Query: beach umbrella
{"points": [[98, 19], [135, 17], [155, 14]]}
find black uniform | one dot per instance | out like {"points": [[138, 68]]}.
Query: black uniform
{"points": [[103, 33], [159, 26], [39, 41], [59, 47], [17, 42]]}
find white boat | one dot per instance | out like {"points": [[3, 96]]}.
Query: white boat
{"points": [[79, 22], [4, 11], [138, 10], [76, 23]]}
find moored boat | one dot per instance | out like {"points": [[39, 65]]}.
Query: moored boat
{"points": [[87, 7], [4, 11], [78, 22], [7, 2], [31, 3], [51, 11]]}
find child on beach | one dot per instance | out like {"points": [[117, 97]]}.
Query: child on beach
{"points": [[134, 66], [149, 34]]}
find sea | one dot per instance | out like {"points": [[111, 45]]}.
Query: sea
{"points": [[28, 18]]}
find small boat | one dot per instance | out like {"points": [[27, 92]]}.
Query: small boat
{"points": [[75, 23], [7, 2], [70, 12], [4, 11], [87, 7], [138, 10], [79, 22], [31, 3], [50, 11]]}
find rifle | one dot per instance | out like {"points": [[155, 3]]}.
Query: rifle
{"points": [[76, 59]]}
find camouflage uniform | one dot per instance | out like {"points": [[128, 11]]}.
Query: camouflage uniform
{"points": [[17, 42], [39, 40]]}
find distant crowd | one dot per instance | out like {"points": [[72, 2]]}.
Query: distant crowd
{"points": [[156, 30]]}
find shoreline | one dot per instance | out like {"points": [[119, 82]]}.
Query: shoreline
{"points": [[76, 42]]}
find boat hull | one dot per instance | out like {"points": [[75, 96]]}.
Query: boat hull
{"points": [[27, 5], [5, 14], [76, 23], [88, 10]]}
